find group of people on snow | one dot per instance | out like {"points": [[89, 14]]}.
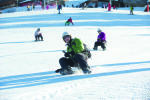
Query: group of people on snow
{"points": [[77, 54]]}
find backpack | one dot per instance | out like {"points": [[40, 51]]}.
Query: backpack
{"points": [[87, 51]]}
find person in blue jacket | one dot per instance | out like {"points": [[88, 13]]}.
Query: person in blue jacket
{"points": [[59, 8]]}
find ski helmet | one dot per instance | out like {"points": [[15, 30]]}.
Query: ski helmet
{"points": [[99, 30], [38, 29], [65, 34]]}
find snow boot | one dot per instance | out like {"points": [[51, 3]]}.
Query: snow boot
{"points": [[95, 48], [66, 72], [58, 70], [86, 70]]}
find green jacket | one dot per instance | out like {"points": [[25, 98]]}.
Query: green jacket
{"points": [[76, 45], [131, 8]]}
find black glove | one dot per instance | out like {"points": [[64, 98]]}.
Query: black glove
{"points": [[67, 54], [58, 70], [72, 53]]}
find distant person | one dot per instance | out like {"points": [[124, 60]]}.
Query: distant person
{"points": [[47, 7], [109, 7], [33, 6], [28, 7], [75, 56], [131, 10], [72, 6], [147, 7], [83, 6], [104, 6], [59, 8], [38, 35], [101, 40], [114, 7], [69, 21]]}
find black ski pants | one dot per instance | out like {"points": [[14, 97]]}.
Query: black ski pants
{"points": [[79, 60], [39, 37], [101, 43]]}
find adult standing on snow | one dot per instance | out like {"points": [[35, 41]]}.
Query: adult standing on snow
{"points": [[28, 7], [101, 40], [76, 56], [59, 8], [131, 10], [109, 7], [38, 35]]}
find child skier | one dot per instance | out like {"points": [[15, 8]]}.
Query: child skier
{"points": [[59, 8], [101, 40], [68, 22], [131, 10], [38, 35], [76, 56]]}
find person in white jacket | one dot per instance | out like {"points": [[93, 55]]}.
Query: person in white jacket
{"points": [[38, 35]]}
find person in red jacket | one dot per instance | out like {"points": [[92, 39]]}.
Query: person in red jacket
{"points": [[69, 21]]}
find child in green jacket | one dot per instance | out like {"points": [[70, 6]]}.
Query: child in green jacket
{"points": [[76, 56]]}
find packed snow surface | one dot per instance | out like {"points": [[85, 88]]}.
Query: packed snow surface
{"points": [[122, 72]]}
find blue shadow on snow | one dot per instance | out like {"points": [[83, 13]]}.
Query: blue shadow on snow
{"points": [[122, 64], [49, 20], [16, 42], [49, 77]]}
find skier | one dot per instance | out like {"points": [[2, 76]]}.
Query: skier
{"points": [[28, 7], [69, 21], [101, 40], [38, 35], [131, 10], [59, 8], [109, 7], [76, 56]]}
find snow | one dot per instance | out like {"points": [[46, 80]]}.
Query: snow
{"points": [[119, 73]]}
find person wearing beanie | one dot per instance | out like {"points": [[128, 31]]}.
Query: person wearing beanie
{"points": [[101, 40], [75, 56]]}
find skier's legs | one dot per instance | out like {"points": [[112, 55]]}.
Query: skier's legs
{"points": [[66, 63], [58, 11], [72, 23], [132, 12], [96, 44], [102, 44], [36, 37], [41, 37], [81, 59], [67, 23]]}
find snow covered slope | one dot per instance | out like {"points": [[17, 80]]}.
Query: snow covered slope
{"points": [[122, 72]]}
